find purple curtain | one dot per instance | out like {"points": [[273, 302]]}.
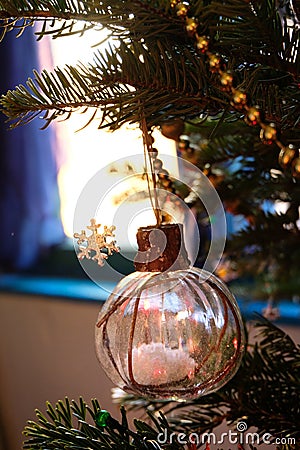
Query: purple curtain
{"points": [[29, 202]]}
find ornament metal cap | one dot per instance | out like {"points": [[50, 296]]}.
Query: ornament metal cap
{"points": [[161, 248]]}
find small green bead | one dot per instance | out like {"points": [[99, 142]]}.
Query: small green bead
{"points": [[101, 417]]}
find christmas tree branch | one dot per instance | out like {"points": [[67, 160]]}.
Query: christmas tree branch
{"points": [[264, 392], [116, 16], [76, 425], [156, 50], [116, 83]]}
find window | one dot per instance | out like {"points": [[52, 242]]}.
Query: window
{"points": [[86, 152]]}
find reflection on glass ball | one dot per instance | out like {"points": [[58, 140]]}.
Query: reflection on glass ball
{"points": [[175, 335]]}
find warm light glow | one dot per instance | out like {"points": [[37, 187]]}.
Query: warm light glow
{"points": [[87, 151], [235, 342]]}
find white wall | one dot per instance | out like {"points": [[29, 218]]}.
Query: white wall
{"points": [[46, 353]]}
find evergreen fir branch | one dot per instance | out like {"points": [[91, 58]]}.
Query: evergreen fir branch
{"points": [[265, 71], [117, 83], [118, 16], [264, 392], [251, 168], [269, 244], [260, 250], [250, 33], [73, 425], [267, 232]]}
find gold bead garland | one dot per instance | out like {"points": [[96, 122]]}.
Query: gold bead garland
{"points": [[226, 80], [287, 155], [269, 134], [296, 167], [252, 116], [182, 8], [191, 25]]}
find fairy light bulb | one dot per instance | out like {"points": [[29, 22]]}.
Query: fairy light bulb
{"points": [[169, 330]]}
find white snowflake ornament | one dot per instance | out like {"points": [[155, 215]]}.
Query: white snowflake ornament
{"points": [[90, 247]]}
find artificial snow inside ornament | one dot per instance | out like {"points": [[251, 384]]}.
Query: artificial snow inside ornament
{"points": [[169, 331]]}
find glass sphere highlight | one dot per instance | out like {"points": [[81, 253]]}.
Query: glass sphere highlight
{"points": [[170, 335]]}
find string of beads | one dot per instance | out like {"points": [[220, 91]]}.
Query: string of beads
{"points": [[289, 155], [161, 178]]}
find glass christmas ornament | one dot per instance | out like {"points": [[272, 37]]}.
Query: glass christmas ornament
{"points": [[168, 330], [173, 129]]}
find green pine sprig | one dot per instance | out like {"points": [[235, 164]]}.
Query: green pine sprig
{"points": [[156, 65], [115, 84], [74, 425], [265, 392]]}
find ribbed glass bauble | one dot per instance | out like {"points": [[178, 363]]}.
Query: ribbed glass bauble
{"points": [[174, 334]]}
